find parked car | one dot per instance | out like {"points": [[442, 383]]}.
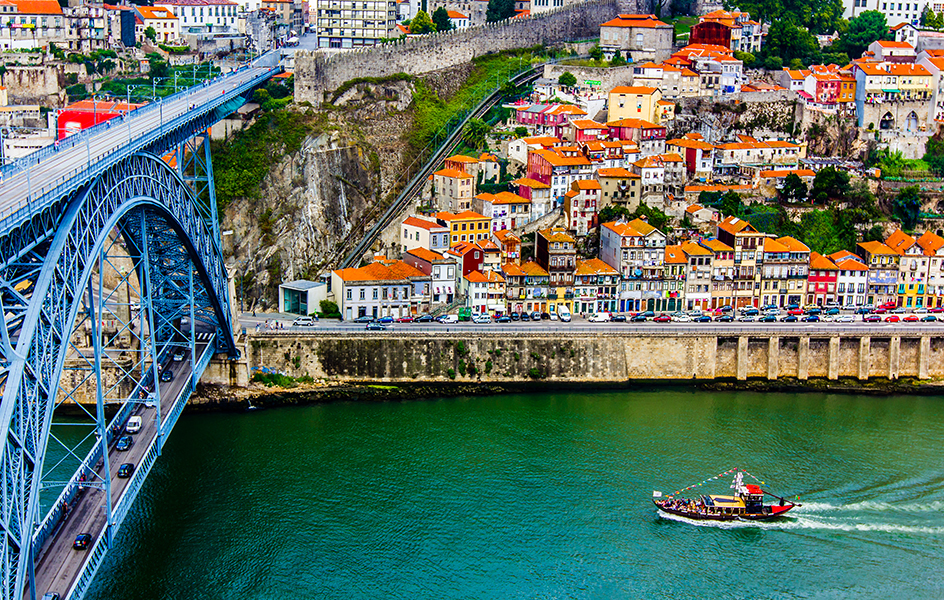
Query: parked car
{"points": [[726, 308], [911, 319], [862, 311], [811, 318], [406, 319], [747, 318], [303, 322], [936, 309], [525, 316], [725, 318], [545, 316], [124, 443], [503, 319], [845, 319], [448, 319], [768, 307], [790, 319], [647, 314], [481, 318], [929, 318], [640, 318], [364, 319], [376, 326], [125, 470], [793, 306], [879, 311], [889, 305], [703, 319], [681, 318], [536, 315], [796, 312], [82, 541], [814, 311], [385, 320], [871, 319], [892, 319], [921, 310], [750, 312], [515, 316], [663, 319], [618, 318], [133, 425], [423, 319], [832, 311], [564, 315], [899, 310], [599, 317], [768, 319]]}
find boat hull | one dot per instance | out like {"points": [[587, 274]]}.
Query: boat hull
{"points": [[774, 512]]}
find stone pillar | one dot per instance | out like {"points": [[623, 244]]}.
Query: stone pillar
{"points": [[894, 352], [742, 358], [773, 357], [865, 357], [709, 369], [832, 371], [803, 359], [924, 355]]}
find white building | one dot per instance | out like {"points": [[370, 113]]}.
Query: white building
{"points": [[203, 16], [380, 289], [340, 25]]}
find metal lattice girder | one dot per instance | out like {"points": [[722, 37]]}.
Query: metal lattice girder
{"points": [[42, 290]]}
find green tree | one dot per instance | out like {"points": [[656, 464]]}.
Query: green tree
{"points": [[745, 57], [567, 79], [441, 19], [875, 234], [521, 132], [788, 42], [794, 189], [422, 24], [617, 60], [596, 53], [829, 184], [476, 133], [329, 308], [867, 27], [773, 63], [907, 207], [150, 34], [731, 205], [499, 10]]}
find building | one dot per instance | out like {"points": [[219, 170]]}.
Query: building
{"points": [[484, 292], [526, 287], [509, 246], [697, 291], [932, 246], [637, 250], [853, 279], [203, 16], [733, 30], [883, 272], [474, 11], [542, 202], [468, 256], [162, 20], [748, 244], [675, 265], [637, 38], [441, 269], [633, 102], [619, 187], [417, 232], [466, 226], [556, 253], [558, 170], [505, 209], [32, 24], [454, 189], [892, 95], [722, 272], [696, 152], [580, 206], [648, 137], [380, 289], [596, 286], [823, 280], [302, 297], [339, 25]]}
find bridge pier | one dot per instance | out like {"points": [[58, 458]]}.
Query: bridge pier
{"points": [[773, 358], [894, 354], [833, 358], [803, 359], [742, 357], [924, 356], [865, 357]]}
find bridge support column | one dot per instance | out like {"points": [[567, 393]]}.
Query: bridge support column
{"points": [[773, 358], [865, 358], [803, 359], [742, 358], [924, 356], [894, 353], [832, 371]]}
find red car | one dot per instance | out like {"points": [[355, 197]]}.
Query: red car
{"points": [[881, 310], [871, 318], [663, 319], [889, 305], [796, 312], [892, 319], [911, 319], [936, 309], [407, 319]]}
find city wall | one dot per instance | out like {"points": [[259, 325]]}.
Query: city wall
{"points": [[590, 358], [317, 72]]}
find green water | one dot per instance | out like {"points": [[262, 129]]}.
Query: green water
{"points": [[539, 496]]}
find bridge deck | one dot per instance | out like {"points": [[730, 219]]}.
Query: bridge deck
{"points": [[59, 565]]}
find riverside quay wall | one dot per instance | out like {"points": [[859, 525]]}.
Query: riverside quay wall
{"points": [[585, 357]]}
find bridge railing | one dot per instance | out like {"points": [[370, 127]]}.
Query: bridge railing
{"points": [[39, 198]]}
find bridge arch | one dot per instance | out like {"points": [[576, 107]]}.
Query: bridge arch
{"points": [[144, 201]]}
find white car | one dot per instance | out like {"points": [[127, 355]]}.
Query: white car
{"points": [[133, 425], [599, 318], [564, 316], [747, 318], [481, 318], [681, 319], [447, 319], [303, 322], [845, 319]]}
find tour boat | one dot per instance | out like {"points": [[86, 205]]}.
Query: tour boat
{"points": [[747, 503]]}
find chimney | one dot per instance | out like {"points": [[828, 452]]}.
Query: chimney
{"points": [[644, 218]]}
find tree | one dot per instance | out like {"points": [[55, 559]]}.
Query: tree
{"points": [[745, 57], [794, 189], [829, 184], [421, 24], [596, 53], [499, 10], [773, 63], [907, 207], [788, 42], [731, 205], [521, 132], [875, 234], [475, 134], [864, 29], [150, 34], [329, 309], [617, 60], [567, 79], [441, 19]]}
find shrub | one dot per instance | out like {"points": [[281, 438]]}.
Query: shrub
{"points": [[535, 373], [488, 367], [274, 379], [460, 348], [451, 373], [517, 357], [462, 368]]}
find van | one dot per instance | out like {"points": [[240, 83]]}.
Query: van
{"points": [[564, 314], [133, 425], [303, 322], [447, 319]]}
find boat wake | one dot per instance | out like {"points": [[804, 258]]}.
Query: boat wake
{"points": [[812, 522], [872, 506]]}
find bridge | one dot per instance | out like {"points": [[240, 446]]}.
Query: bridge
{"points": [[112, 290]]}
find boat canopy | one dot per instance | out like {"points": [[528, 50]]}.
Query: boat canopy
{"points": [[753, 489], [724, 501]]}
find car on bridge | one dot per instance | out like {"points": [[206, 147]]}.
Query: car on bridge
{"points": [[50, 596], [178, 355], [125, 470], [703, 319], [167, 375], [640, 318], [133, 425], [82, 541], [767, 319], [124, 443]]}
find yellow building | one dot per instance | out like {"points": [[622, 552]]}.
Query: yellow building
{"points": [[466, 226], [634, 102]]}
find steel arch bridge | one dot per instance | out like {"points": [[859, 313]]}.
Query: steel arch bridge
{"points": [[113, 299]]}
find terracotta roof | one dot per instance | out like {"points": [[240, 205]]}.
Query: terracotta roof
{"points": [[463, 248], [674, 255], [899, 241], [850, 264], [793, 244], [634, 89], [650, 162], [930, 243], [376, 271], [587, 124], [505, 235], [484, 157], [545, 140], [512, 270], [488, 246], [821, 263], [670, 157], [456, 15], [487, 277], [693, 249], [636, 227], [561, 161], [424, 254], [687, 143], [633, 123], [617, 172], [690, 189], [38, 7], [148, 12], [453, 173], [735, 225], [876, 248], [777, 173], [646, 21], [594, 266], [465, 215], [716, 245], [462, 159], [422, 223], [842, 255], [556, 235], [509, 198], [531, 183], [534, 269], [890, 44], [587, 184]]}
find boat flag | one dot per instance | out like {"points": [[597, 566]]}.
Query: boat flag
{"points": [[656, 494]]}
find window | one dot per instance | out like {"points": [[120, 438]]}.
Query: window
{"points": [[362, 294], [349, 293]]}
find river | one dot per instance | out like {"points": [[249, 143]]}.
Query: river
{"points": [[539, 496]]}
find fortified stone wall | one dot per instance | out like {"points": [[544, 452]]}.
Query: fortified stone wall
{"points": [[592, 358], [609, 77], [317, 72], [38, 84]]}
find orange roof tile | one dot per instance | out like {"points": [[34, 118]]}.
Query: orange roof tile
{"points": [[462, 159], [453, 173], [587, 124], [594, 266], [821, 263], [777, 173], [793, 244], [716, 245], [850, 264], [556, 235], [735, 225], [693, 249], [899, 241], [587, 184], [632, 123], [617, 172], [531, 183], [422, 223], [38, 7], [424, 254], [646, 21], [512, 270], [505, 236], [533, 269], [634, 89], [395, 271], [876, 248], [930, 243], [674, 255]]}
